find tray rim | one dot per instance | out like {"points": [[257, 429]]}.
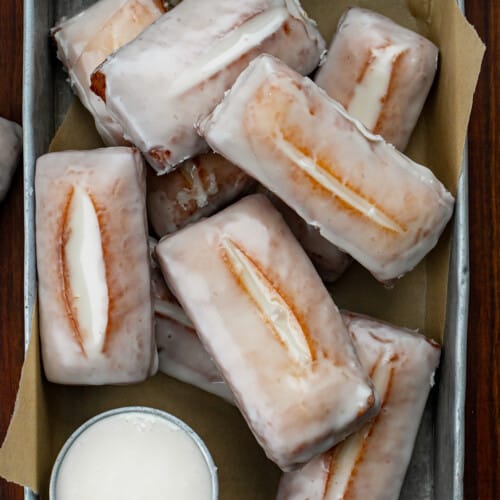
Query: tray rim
{"points": [[458, 284]]}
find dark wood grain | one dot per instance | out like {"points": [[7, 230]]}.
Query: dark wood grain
{"points": [[482, 479], [11, 228], [482, 474]]}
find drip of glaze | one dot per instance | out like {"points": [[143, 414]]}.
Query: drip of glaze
{"points": [[197, 190]]}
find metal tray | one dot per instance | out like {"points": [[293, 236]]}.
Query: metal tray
{"points": [[436, 470]]}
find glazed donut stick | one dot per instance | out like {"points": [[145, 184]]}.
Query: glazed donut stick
{"points": [[265, 317], [181, 355], [85, 40], [369, 200], [96, 318], [197, 188], [11, 144], [372, 463], [380, 72], [174, 73]]}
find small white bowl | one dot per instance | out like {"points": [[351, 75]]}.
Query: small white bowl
{"points": [[200, 445]]}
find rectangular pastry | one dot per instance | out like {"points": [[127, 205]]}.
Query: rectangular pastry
{"points": [[372, 463], [380, 72], [96, 323], [365, 197], [177, 71], [271, 327], [85, 40], [181, 354], [11, 145], [197, 188]]}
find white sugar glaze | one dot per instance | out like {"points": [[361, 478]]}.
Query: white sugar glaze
{"points": [[86, 271], [270, 303], [130, 456], [197, 188], [372, 462], [266, 319], [367, 101], [186, 61], [365, 197], [380, 72], [85, 40], [180, 353], [96, 322]]}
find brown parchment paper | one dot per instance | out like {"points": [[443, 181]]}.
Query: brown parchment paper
{"points": [[45, 414]]}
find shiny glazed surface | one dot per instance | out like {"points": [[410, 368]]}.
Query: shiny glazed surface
{"points": [[249, 284], [272, 124], [196, 63], [483, 430], [95, 303], [372, 463]]}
